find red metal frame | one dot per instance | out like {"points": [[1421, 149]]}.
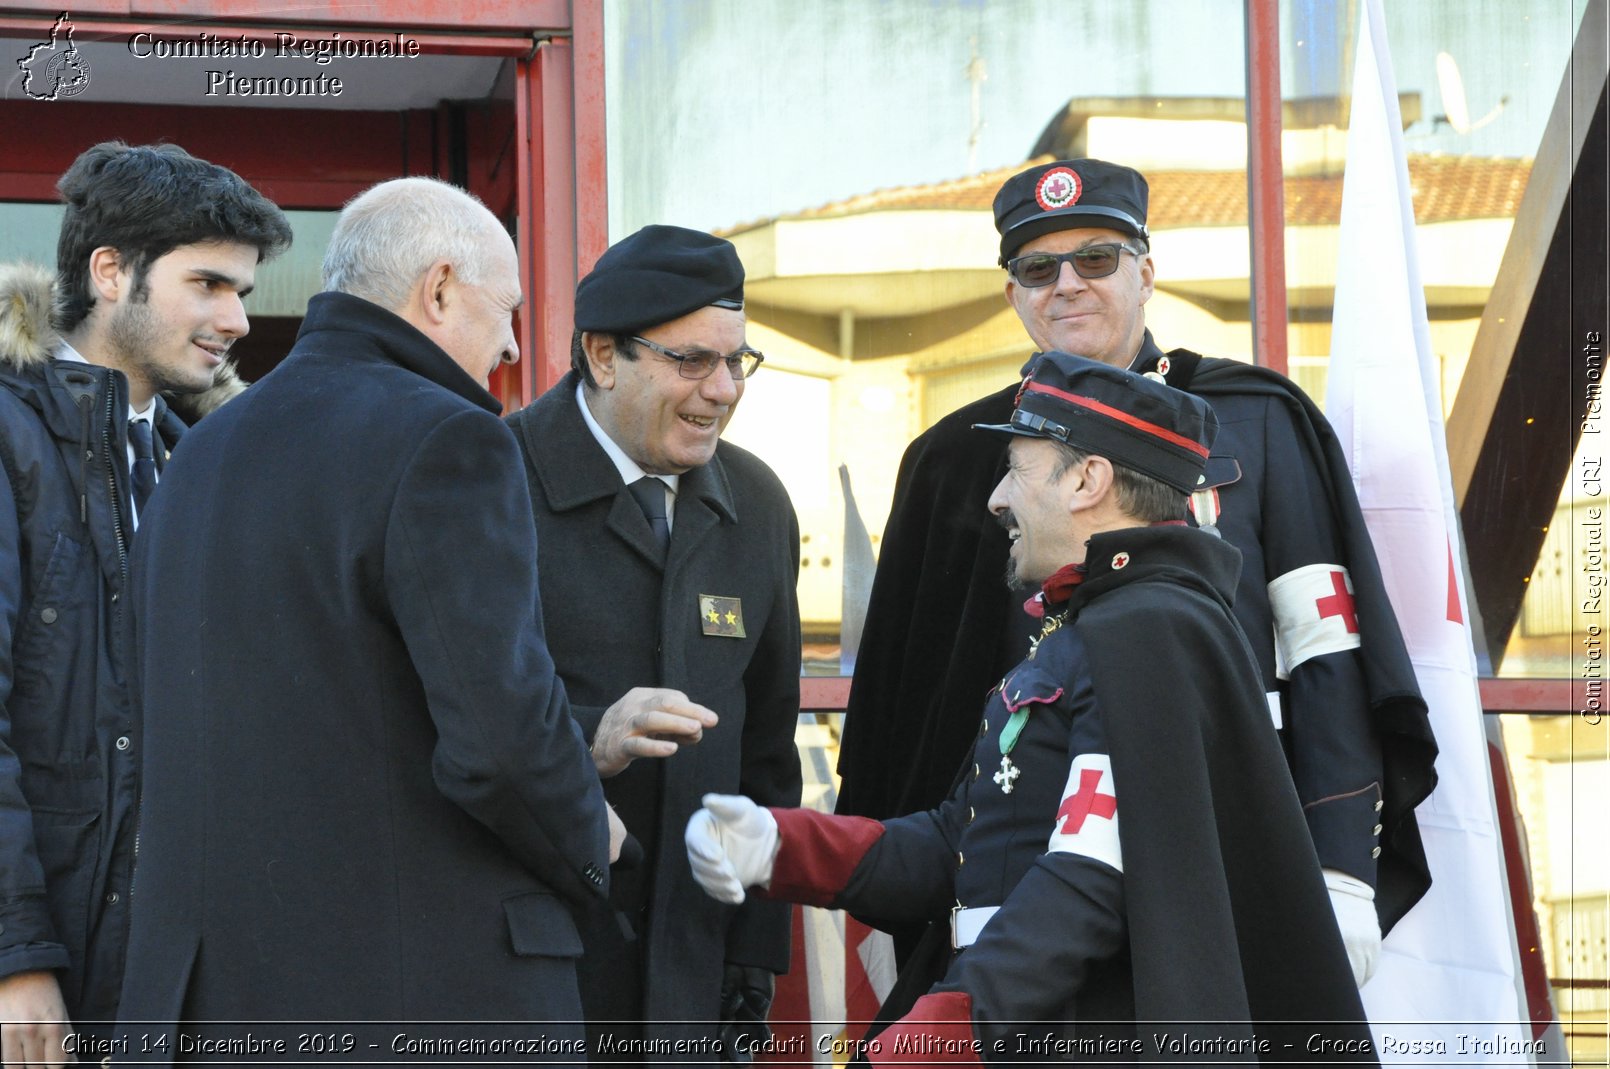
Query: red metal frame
{"points": [[830, 694], [824, 694], [592, 156], [526, 238], [300, 158], [430, 43], [547, 207], [553, 186], [520, 16], [471, 14], [1265, 185], [562, 193], [1533, 695]]}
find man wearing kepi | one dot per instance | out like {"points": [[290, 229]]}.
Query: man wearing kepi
{"points": [[1126, 845], [365, 798], [1337, 677], [669, 556]]}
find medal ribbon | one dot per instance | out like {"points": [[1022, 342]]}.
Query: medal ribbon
{"points": [[1013, 728]]}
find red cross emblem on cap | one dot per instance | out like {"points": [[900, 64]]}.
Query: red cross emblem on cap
{"points": [[1339, 603], [1086, 802], [1120, 560], [1057, 188]]}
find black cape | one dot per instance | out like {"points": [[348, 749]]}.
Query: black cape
{"points": [[1229, 950], [941, 629], [1203, 791], [1408, 748]]}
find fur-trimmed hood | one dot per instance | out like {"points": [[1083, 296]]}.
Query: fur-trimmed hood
{"points": [[27, 339]]}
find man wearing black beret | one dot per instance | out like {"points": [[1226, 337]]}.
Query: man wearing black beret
{"points": [[666, 554], [1125, 845], [1340, 687]]}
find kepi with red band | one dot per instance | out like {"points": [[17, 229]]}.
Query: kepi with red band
{"points": [[1131, 420]]}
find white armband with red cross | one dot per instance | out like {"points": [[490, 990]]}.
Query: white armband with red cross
{"points": [[1087, 819], [1314, 613]]}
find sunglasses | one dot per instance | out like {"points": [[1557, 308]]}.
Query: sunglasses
{"points": [[1043, 268], [701, 363]]}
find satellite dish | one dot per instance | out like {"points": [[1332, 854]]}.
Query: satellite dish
{"points": [[1455, 110], [1452, 87]]}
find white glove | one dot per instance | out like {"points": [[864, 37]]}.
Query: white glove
{"points": [[731, 845], [1354, 903]]}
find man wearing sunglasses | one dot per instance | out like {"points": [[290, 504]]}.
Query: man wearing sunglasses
{"points": [[1341, 691], [666, 554]]}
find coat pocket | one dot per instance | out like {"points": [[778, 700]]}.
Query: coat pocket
{"points": [[540, 925], [53, 620]]}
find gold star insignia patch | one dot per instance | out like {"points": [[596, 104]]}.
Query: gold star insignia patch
{"points": [[721, 616]]}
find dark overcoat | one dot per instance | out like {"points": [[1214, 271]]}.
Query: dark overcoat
{"points": [[365, 798], [621, 619]]}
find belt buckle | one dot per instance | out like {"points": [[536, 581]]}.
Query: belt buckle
{"points": [[967, 923]]}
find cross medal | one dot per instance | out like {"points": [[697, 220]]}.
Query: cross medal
{"points": [[1007, 775]]}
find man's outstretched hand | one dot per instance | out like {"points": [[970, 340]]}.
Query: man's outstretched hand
{"points": [[647, 722]]}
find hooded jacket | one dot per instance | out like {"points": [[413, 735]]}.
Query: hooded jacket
{"points": [[69, 733]]}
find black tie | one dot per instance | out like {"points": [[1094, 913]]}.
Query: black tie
{"points": [[145, 463], [650, 494]]}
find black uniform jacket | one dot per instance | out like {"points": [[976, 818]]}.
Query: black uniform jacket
{"points": [[365, 798], [620, 618], [1158, 890], [1353, 725]]}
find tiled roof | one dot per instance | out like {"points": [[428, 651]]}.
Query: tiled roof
{"points": [[1444, 188]]}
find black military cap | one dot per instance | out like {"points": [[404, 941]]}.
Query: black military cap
{"points": [[656, 275], [1132, 420], [1068, 194]]}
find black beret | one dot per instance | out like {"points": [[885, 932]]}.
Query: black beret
{"points": [[656, 275], [1133, 420], [1069, 194]]}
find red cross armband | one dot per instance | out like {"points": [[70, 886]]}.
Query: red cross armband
{"points": [[1314, 615], [1087, 819]]}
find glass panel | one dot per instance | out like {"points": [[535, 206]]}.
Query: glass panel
{"points": [[284, 284], [856, 178]]}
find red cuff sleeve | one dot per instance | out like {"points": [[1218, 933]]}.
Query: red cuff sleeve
{"points": [[816, 854], [937, 1031]]}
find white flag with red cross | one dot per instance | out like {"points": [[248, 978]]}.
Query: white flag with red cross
{"points": [[1449, 969]]}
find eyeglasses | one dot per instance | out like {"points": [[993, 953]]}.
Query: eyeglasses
{"points": [[701, 363], [1043, 268]]}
